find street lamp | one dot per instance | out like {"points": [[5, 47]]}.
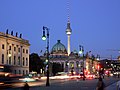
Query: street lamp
{"points": [[98, 57], [44, 38], [98, 65], [82, 51]]}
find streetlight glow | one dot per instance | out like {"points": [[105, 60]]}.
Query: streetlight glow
{"points": [[43, 37], [80, 52]]}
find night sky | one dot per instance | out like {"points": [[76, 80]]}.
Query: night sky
{"points": [[95, 24]]}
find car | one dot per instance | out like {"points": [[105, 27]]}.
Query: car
{"points": [[90, 76]]}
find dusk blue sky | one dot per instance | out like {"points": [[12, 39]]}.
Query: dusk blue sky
{"points": [[95, 24]]}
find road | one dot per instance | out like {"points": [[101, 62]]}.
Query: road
{"points": [[65, 84]]}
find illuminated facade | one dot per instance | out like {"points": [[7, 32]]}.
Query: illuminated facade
{"points": [[72, 62], [14, 53]]}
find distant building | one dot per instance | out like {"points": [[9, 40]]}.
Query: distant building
{"points": [[111, 65], [14, 53]]}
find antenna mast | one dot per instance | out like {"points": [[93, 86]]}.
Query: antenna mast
{"points": [[68, 10]]}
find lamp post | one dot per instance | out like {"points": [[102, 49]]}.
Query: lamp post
{"points": [[98, 65], [82, 51], [44, 38]]}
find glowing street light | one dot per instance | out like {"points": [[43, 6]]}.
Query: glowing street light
{"points": [[44, 38], [80, 52]]}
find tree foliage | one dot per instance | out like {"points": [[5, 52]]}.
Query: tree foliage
{"points": [[35, 63], [56, 67]]}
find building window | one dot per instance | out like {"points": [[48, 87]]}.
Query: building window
{"points": [[9, 47], [3, 46], [2, 58], [23, 72], [14, 48], [19, 72], [10, 60], [23, 61], [26, 51], [7, 61], [15, 71], [18, 49], [26, 61], [19, 60], [23, 50], [26, 71], [14, 60]]}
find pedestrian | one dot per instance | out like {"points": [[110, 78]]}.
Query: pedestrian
{"points": [[100, 84], [26, 86]]}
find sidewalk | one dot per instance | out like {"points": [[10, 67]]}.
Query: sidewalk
{"points": [[112, 86]]}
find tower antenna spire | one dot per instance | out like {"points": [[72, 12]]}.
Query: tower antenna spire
{"points": [[68, 10]]}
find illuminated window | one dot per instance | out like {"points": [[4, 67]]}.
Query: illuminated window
{"points": [[71, 64]]}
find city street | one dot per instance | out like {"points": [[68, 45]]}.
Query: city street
{"points": [[65, 84]]}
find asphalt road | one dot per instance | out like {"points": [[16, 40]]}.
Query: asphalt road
{"points": [[65, 84]]}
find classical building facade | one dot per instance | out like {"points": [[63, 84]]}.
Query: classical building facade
{"points": [[73, 62], [14, 53]]}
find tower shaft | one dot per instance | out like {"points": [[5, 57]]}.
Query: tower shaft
{"points": [[68, 45]]}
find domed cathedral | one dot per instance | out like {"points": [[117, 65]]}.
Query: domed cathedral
{"points": [[69, 62]]}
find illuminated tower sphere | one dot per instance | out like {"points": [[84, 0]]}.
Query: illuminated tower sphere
{"points": [[68, 32]]}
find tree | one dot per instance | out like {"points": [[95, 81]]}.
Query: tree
{"points": [[35, 63], [56, 67]]}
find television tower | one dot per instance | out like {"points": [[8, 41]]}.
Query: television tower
{"points": [[68, 30]]}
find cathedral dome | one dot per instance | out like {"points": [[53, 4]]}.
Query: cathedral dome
{"points": [[58, 49]]}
